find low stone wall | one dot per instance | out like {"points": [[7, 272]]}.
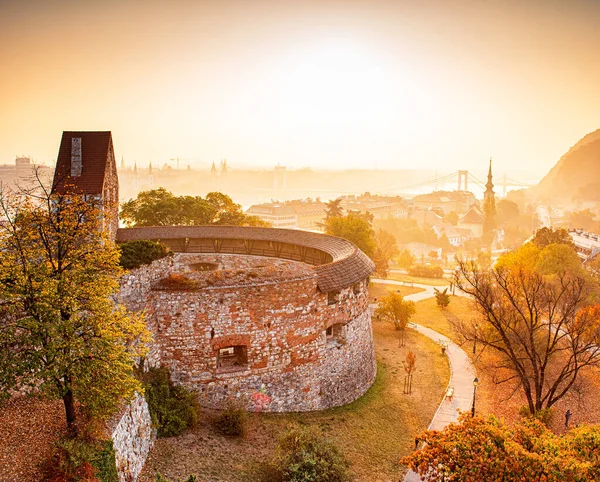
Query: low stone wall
{"points": [[133, 438]]}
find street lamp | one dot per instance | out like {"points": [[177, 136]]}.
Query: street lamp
{"points": [[475, 383]]}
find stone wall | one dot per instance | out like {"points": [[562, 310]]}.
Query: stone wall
{"points": [[273, 309], [133, 438]]}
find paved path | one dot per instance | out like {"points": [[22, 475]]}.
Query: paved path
{"points": [[422, 295], [462, 373]]}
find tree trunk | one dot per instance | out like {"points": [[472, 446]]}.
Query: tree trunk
{"points": [[69, 403]]}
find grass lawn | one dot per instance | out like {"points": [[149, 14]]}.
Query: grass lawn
{"points": [[377, 290], [430, 315], [374, 431], [415, 279]]}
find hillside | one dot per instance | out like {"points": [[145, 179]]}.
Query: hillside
{"points": [[576, 175]]}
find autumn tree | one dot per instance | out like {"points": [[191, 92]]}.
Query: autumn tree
{"points": [[354, 227], [384, 252], [159, 207], [60, 331], [442, 298], [477, 449], [545, 236], [538, 325], [394, 308]]}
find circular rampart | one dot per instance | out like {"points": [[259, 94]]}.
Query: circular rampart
{"points": [[256, 327]]}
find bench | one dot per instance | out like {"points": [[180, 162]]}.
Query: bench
{"points": [[450, 393]]}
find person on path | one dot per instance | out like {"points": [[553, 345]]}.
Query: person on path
{"points": [[567, 418]]}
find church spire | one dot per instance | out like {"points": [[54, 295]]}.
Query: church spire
{"points": [[489, 209], [489, 186]]}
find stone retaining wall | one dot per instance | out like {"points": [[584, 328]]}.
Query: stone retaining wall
{"points": [[133, 438]]}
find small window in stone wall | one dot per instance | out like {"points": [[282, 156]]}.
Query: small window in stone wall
{"points": [[333, 297], [336, 333], [232, 357]]}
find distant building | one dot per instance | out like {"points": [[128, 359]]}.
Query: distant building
{"points": [[446, 201], [473, 220], [586, 244], [456, 236], [279, 215], [423, 251], [22, 172], [300, 214], [427, 217], [381, 207], [86, 165]]}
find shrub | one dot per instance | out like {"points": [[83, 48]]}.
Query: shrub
{"points": [[77, 460], [426, 271], [137, 253], [545, 415], [442, 298], [173, 408], [304, 455], [231, 421], [176, 281]]}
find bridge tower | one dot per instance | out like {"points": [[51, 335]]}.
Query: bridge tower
{"points": [[463, 175]]}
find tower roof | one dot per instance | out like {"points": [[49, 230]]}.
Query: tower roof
{"points": [[489, 185], [85, 167]]}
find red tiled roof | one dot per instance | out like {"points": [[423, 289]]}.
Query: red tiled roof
{"points": [[95, 148], [349, 264]]}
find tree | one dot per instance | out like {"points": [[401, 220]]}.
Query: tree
{"points": [[333, 209], [355, 228], [585, 220], [60, 331], [405, 259], [385, 250], [506, 212], [442, 298], [545, 236], [409, 367], [159, 207], [487, 449], [394, 308], [540, 327], [452, 218]]}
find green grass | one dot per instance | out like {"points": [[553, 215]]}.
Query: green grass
{"points": [[430, 315], [377, 290], [415, 279]]}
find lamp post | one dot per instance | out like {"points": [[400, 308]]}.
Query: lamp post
{"points": [[475, 383]]}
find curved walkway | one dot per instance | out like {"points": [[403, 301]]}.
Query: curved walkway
{"points": [[462, 373]]}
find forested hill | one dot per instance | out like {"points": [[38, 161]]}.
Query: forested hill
{"points": [[576, 176]]}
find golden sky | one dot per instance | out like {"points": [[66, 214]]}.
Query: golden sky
{"points": [[439, 84]]}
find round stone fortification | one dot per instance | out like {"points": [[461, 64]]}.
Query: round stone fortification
{"points": [[255, 329]]}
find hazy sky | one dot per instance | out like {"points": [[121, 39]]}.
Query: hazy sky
{"points": [[327, 84]]}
